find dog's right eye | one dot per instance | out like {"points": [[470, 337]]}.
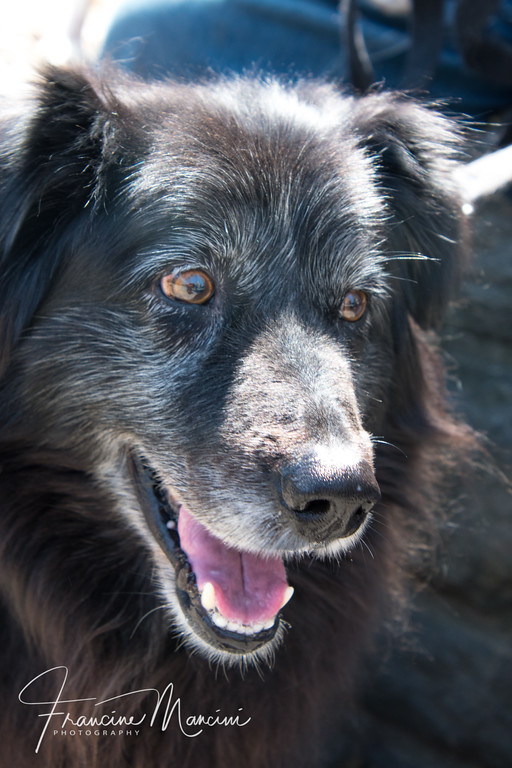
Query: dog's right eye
{"points": [[192, 286], [354, 306]]}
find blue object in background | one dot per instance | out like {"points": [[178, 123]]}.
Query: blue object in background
{"points": [[190, 38]]}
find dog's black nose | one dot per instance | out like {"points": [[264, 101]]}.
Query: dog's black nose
{"points": [[327, 502]]}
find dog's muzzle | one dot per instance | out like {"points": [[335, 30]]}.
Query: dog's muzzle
{"points": [[230, 598]]}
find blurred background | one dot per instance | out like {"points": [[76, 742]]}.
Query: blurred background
{"points": [[443, 699], [57, 30]]}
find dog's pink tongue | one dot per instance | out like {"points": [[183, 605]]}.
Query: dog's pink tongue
{"points": [[248, 588]]}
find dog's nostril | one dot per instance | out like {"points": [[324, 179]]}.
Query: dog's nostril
{"points": [[356, 519], [316, 507]]}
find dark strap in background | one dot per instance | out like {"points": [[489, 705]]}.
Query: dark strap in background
{"points": [[426, 30], [360, 72], [483, 53]]}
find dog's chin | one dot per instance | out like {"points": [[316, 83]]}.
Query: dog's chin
{"points": [[226, 603]]}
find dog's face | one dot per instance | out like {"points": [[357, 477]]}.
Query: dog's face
{"points": [[218, 276]]}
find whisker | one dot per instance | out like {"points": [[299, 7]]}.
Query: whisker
{"points": [[367, 546], [380, 441], [412, 257], [145, 616]]}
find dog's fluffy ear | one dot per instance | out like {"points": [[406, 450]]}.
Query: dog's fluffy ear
{"points": [[52, 165], [416, 150], [63, 150]]}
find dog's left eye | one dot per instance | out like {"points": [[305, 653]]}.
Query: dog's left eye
{"points": [[192, 286], [353, 306]]}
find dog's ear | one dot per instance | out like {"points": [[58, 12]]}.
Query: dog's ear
{"points": [[52, 164], [415, 150]]}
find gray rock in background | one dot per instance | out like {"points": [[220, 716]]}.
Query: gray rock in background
{"points": [[446, 702]]}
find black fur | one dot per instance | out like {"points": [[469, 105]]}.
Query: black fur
{"points": [[289, 198]]}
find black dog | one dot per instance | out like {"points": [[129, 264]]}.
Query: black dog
{"points": [[218, 387]]}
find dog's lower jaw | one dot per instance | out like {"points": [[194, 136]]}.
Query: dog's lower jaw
{"points": [[187, 634], [263, 655]]}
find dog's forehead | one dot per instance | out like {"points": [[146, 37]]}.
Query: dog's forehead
{"points": [[261, 144], [261, 179]]}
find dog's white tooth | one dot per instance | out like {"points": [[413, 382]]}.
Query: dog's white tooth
{"points": [[219, 620], [269, 624], [257, 627], [233, 626], [171, 525], [287, 596], [208, 596]]}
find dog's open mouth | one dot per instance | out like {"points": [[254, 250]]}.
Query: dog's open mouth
{"points": [[230, 598]]}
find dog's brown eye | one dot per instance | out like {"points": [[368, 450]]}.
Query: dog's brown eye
{"points": [[354, 306], [190, 285]]}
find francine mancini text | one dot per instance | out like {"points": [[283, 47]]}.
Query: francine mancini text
{"points": [[166, 711]]}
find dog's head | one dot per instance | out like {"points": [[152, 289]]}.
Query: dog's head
{"points": [[209, 296]]}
